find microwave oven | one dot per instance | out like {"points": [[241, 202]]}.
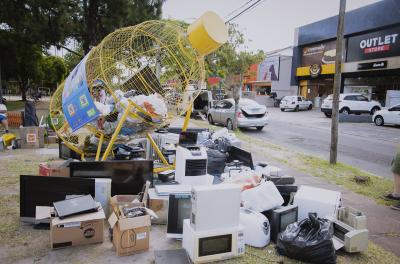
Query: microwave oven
{"points": [[213, 244]]}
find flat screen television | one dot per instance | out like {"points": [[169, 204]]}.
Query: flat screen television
{"points": [[239, 154], [45, 190], [179, 208], [127, 176]]}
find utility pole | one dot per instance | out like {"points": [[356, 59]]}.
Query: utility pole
{"points": [[337, 84]]}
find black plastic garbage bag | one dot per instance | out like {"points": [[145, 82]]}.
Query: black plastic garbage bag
{"points": [[215, 162], [30, 118], [309, 240]]}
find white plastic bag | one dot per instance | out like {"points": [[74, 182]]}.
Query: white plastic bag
{"points": [[262, 197]]}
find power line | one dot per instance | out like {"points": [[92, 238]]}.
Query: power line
{"points": [[238, 8], [251, 6]]}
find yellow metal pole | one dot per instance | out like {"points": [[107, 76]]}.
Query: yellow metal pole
{"points": [[82, 156], [116, 132], [99, 147], [187, 118], [158, 151]]}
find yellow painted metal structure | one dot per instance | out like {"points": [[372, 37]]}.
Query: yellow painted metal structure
{"points": [[154, 57]]}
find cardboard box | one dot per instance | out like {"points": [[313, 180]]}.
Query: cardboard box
{"points": [[75, 230], [159, 204], [123, 200], [54, 168], [130, 235], [32, 137]]}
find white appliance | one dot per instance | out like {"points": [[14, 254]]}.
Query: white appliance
{"points": [[212, 245], [316, 200], [191, 165], [215, 206], [102, 192], [256, 228]]}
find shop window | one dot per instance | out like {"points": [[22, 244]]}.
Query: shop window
{"points": [[263, 90]]}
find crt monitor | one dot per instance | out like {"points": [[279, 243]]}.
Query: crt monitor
{"points": [[239, 154], [280, 218], [45, 190], [179, 208], [188, 138], [127, 176]]}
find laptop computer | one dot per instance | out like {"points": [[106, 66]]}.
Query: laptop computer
{"points": [[75, 206]]}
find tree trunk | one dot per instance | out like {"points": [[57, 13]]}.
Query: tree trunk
{"points": [[90, 39], [236, 97], [24, 88]]}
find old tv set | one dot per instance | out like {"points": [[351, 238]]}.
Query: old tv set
{"points": [[239, 154], [127, 176], [280, 218], [187, 139], [44, 191], [179, 208]]}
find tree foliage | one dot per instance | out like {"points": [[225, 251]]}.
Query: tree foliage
{"points": [[231, 59], [53, 70], [27, 28]]}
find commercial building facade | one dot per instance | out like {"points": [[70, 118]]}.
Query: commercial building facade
{"points": [[371, 54], [272, 75]]}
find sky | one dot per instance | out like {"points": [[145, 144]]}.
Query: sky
{"points": [[268, 26]]}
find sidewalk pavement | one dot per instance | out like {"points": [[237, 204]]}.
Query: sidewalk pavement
{"points": [[383, 223]]}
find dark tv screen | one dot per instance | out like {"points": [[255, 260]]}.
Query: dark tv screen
{"points": [[239, 154], [45, 190], [127, 176]]}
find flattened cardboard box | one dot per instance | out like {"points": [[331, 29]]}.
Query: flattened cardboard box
{"points": [[73, 231], [130, 235]]}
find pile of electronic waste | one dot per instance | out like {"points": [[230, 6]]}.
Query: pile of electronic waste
{"points": [[216, 200]]}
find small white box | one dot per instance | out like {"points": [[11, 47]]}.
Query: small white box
{"points": [[215, 206], [316, 200], [103, 193]]}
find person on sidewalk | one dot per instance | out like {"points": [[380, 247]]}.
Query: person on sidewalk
{"points": [[396, 174], [3, 115]]}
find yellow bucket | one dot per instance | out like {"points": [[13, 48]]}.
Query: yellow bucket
{"points": [[207, 33], [8, 138]]}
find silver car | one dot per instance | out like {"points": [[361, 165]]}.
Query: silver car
{"points": [[250, 114]]}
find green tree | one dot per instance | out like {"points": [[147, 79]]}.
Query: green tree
{"points": [[231, 59], [101, 17], [54, 70], [29, 27]]}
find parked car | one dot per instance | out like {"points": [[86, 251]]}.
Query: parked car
{"points": [[386, 116], [250, 114], [350, 103], [295, 103]]}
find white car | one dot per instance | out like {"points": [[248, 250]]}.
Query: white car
{"points": [[386, 116], [351, 103], [295, 103], [250, 114]]}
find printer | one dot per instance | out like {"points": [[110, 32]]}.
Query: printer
{"points": [[191, 161], [350, 230]]}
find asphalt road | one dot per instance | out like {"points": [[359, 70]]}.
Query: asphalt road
{"points": [[362, 145]]}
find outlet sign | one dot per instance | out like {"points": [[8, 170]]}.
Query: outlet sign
{"points": [[375, 45]]}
